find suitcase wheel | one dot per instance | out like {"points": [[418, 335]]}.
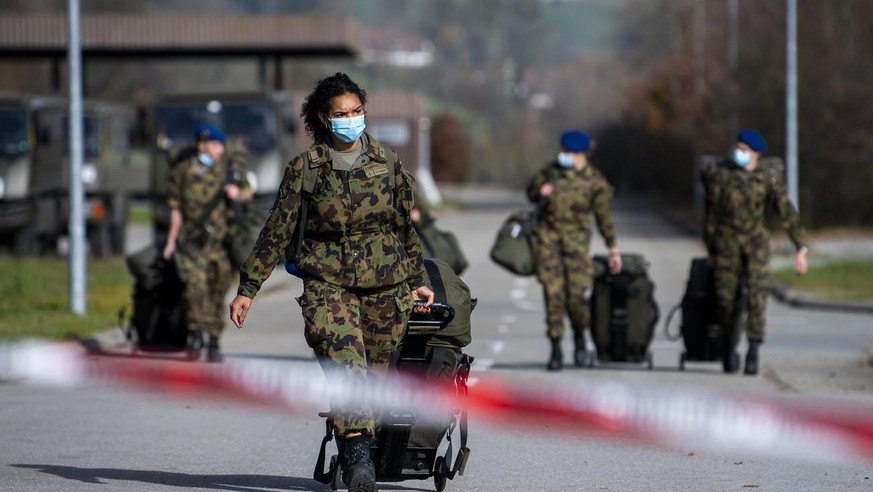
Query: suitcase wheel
{"points": [[335, 479], [439, 479]]}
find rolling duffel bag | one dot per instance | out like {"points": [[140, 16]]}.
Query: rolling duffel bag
{"points": [[623, 310]]}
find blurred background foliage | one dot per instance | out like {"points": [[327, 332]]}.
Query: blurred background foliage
{"points": [[655, 81]]}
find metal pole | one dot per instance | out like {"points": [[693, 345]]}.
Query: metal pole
{"points": [[791, 111], [77, 219]]}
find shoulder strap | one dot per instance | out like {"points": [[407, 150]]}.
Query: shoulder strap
{"points": [[310, 181], [216, 199], [436, 281], [540, 207]]}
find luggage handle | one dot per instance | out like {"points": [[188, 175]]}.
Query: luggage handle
{"points": [[440, 315]]}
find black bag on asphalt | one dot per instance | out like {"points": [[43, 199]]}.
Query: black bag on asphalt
{"points": [[699, 330], [441, 244], [623, 310], [515, 247], [158, 320]]}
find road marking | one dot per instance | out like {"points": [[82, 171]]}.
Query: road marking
{"points": [[482, 364], [529, 306], [517, 294], [498, 346]]}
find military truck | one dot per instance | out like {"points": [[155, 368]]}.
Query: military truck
{"points": [[34, 173], [260, 127]]}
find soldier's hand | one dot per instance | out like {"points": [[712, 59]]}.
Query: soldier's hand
{"points": [[546, 189], [800, 262], [169, 249], [423, 293], [614, 261], [239, 308], [233, 192]]}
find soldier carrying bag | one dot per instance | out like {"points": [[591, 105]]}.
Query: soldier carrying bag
{"points": [[515, 247]]}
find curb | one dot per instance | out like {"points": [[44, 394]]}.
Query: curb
{"points": [[795, 299]]}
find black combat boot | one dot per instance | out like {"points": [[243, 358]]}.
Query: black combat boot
{"points": [[556, 361], [752, 358], [359, 472], [581, 356], [195, 344], [213, 353], [730, 358]]}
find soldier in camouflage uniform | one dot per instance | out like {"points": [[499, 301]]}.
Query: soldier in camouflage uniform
{"points": [[203, 261], [567, 192], [361, 259], [738, 190]]}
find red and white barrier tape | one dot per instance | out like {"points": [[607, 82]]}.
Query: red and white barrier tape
{"points": [[832, 430]]}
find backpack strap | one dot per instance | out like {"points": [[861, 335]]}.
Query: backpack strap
{"points": [[436, 281], [313, 159]]}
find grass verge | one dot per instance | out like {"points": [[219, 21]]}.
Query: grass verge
{"points": [[140, 214], [34, 297], [843, 280]]}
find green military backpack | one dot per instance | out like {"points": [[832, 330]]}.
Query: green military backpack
{"points": [[449, 289], [623, 310], [515, 247]]}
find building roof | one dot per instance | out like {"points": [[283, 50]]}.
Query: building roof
{"points": [[126, 35]]}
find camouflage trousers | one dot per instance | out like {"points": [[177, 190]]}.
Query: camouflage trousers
{"points": [[565, 271], [207, 276], [354, 333], [742, 259]]}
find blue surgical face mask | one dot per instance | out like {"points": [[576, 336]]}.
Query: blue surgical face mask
{"points": [[205, 159], [348, 129], [742, 157], [565, 160]]}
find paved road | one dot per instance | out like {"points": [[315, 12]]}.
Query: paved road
{"points": [[105, 439]]}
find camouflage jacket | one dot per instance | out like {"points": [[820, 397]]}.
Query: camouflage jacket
{"points": [[192, 186], [358, 232], [736, 202], [576, 196]]}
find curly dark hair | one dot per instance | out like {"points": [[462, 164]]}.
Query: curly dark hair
{"points": [[318, 101]]}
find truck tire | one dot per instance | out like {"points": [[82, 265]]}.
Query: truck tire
{"points": [[25, 242], [98, 240], [118, 213]]}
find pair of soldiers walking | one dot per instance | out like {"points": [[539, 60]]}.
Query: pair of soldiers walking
{"points": [[738, 191]]}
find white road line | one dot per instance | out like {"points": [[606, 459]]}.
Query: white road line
{"points": [[498, 346], [530, 306], [517, 294]]}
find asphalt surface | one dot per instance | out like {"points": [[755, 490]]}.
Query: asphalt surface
{"points": [[102, 438]]}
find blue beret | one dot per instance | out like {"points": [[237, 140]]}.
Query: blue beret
{"points": [[753, 139], [206, 133], [575, 141]]}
